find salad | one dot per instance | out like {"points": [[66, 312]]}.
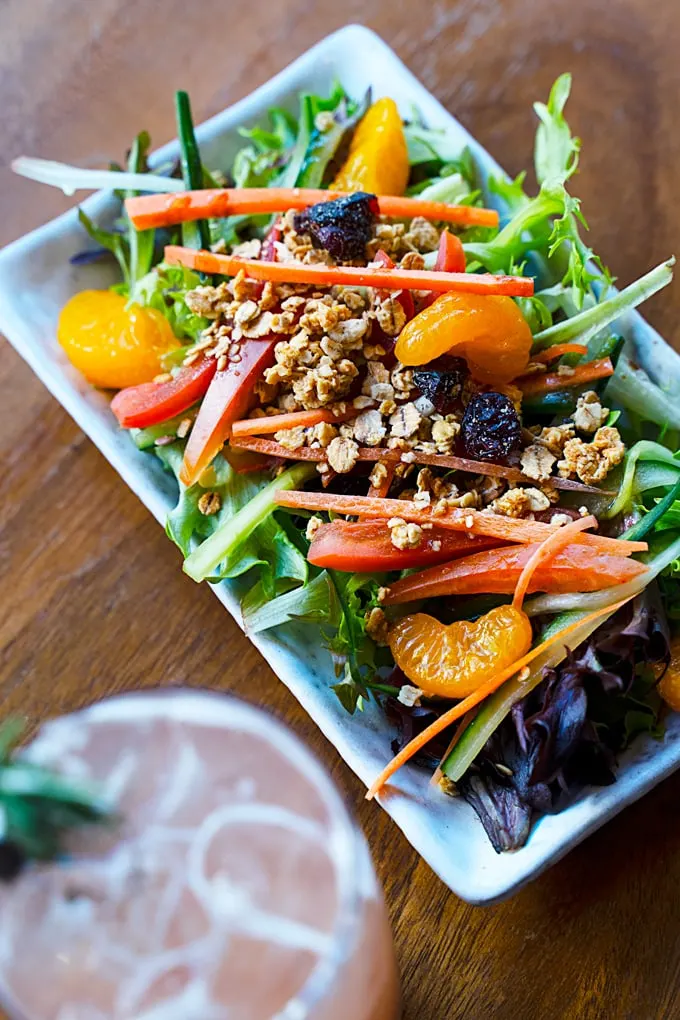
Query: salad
{"points": [[398, 407]]}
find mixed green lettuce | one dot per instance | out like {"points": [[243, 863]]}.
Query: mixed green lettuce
{"points": [[579, 708], [165, 288], [248, 537], [290, 151], [243, 534], [545, 229]]}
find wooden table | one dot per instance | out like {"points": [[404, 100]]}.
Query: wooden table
{"points": [[94, 600]]}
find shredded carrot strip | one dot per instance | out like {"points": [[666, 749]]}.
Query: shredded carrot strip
{"points": [[546, 550], [482, 692], [371, 453], [282, 422], [273, 449], [533, 385], [460, 730], [147, 211], [510, 529], [354, 276], [552, 353]]}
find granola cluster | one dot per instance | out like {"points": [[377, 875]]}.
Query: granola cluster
{"points": [[399, 242], [404, 535], [334, 352], [593, 461], [559, 446], [520, 502]]}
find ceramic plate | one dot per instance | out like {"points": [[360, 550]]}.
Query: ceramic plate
{"points": [[36, 279]]}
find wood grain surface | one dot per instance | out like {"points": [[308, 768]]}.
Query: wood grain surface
{"points": [[93, 597]]}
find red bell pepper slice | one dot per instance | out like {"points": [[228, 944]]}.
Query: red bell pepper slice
{"points": [[138, 407], [450, 257], [268, 249], [451, 254], [228, 399], [405, 298], [366, 546], [268, 252], [577, 567]]}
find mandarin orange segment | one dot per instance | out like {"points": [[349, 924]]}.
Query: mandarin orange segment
{"points": [[378, 156], [490, 332], [112, 343], [452, 661]]}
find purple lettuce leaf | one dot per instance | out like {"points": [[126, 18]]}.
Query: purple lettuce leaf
{"points": [[566, 734]]}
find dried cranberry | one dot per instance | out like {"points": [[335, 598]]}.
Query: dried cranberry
{"points": [[388, 343], [268, 249], [491, 427], [441, 381], [343, 227], [353, 484]]}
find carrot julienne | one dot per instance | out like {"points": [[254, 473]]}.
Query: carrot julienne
{"points": [[546, 550], [477, 522], [552, 353], [482, 692], [533, 385], [245, 441], [460, 730], [280, 422], [147, 211], [353, 276]]}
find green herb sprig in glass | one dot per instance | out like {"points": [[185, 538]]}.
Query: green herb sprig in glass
{"points": [[38, 807]]}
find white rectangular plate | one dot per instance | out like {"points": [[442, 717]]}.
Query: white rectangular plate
{"points": [[36, 279]]}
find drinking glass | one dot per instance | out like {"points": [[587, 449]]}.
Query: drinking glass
{"points": [[232, 883]]}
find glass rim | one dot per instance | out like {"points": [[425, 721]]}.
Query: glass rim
{"points": [[345, 847]]}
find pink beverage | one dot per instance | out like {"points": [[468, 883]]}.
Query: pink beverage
{"points": [[234, 887]]}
